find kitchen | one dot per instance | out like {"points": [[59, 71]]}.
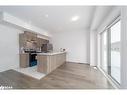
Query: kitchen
{"points": [[37, 51]]}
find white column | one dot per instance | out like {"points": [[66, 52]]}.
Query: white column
{"points": [[93, 48], [98, 50], [124, 47]]}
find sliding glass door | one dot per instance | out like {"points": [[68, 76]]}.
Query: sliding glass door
{"points": [[115, 51], [110, 51]]}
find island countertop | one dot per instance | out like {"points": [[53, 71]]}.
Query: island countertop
{"points": [[51, 53], [47, 62]]}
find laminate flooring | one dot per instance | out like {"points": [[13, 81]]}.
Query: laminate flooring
{"points": [[67, 76]]}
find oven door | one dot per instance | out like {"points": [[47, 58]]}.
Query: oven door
{"points": [[33, 60]]}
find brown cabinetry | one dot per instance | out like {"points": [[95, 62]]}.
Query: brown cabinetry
{"points": [[30, 36], [24, 60], [28, 40], [41, 41], [48, 63]]}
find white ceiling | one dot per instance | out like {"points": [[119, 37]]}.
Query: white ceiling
{"points": [[101, 13], [58, 18]]}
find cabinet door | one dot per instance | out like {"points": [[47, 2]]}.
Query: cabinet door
{"points": [[22, 40], [30, 36], [40, 42], [46, 41], [42, 64], [24, 60], [34, 37]]}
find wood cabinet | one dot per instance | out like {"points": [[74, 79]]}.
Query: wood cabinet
{"points": [[41, 41], [24, 60], [30, 36], [22, 40], [28, 40], [48, 63]]}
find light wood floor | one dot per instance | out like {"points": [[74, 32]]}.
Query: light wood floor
{"points": [[67, 76]]}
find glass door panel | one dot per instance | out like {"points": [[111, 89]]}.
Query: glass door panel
{"points": [[115, 51]]}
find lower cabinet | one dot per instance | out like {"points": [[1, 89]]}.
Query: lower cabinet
{"points": [[48, 63], [24, 60]]}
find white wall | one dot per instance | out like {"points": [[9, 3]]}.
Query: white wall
{"points": [[93, 48], [76, 43], [124, 47], [9, 47]]}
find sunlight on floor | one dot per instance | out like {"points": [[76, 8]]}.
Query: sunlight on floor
{"points": [[31, 71]]}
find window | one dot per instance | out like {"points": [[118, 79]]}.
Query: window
{"points": [[115, 51], [110, 51]]}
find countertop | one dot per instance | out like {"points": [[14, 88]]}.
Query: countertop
{"points": [[51, 53]]}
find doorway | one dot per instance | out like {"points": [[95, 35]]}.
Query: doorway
{"points": [[110, 51]]}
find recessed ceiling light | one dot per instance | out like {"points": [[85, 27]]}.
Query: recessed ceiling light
{"points": [[46, 15], [74, 18]]}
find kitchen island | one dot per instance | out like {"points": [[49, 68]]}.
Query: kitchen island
{"points": [[47, 62]]}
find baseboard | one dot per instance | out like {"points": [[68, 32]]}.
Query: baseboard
{"points": [[113, 83], [76, 62]]}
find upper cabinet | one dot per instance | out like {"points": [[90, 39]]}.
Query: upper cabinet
{"points": [[31, 37], [29, 40], [41, 41]]}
